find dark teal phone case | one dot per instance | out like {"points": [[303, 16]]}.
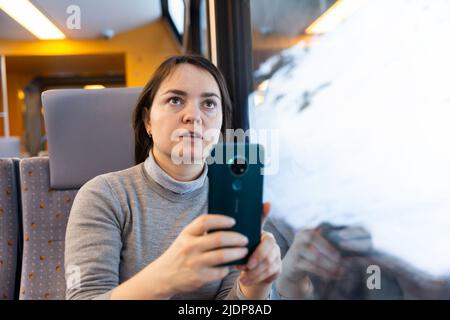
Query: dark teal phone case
{"points": [[237, 194]]}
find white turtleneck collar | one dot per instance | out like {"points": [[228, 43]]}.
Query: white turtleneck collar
{"points": [[166, 181]]}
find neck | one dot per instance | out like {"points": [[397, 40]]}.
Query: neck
{"points": [[181, 172]]}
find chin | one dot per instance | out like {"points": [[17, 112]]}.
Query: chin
{"points": [[188, 153]]}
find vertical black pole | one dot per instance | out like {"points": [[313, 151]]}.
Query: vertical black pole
{"points": [[192, 32], [234, 54]]}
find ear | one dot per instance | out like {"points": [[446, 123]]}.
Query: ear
{"points": [[146, 119]]}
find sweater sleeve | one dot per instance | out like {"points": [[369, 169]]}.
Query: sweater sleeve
{"points": [[93, 242], [228, 288]]}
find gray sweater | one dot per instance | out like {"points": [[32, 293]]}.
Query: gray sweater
{"points": [[122, 221]]}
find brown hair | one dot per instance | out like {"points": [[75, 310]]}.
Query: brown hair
{"points": [[142, 141]]}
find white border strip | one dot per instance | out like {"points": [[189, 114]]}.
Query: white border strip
{"points": [[212, 31], [5, 96]]}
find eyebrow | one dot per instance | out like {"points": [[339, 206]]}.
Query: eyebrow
{"points": [[183, 93]]}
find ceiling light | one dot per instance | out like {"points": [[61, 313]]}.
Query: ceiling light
{"points": [[337, 13], [94, 86], [27, 15]]}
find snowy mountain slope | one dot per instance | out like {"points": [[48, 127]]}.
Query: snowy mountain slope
{"points": [[363, 118]]}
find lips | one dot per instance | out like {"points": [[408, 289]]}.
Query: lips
{"points": [[192, 135]]}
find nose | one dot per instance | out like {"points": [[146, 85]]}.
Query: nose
{"points": [[192, 114]]}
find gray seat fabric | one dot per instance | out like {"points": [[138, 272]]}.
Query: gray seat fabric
{"points": [[45, 214], [82, 127], [9, 147], [89, 133], [9, 214]]}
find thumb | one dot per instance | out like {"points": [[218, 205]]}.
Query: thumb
{"points": [[265, 213]]}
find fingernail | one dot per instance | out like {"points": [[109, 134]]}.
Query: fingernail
{"points": [[232, 221], [246, 240]]}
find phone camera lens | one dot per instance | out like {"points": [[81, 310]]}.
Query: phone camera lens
{"points": [[239, 166]]}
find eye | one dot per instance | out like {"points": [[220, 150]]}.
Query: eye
{"points": [[175, 100], [210, 104]]}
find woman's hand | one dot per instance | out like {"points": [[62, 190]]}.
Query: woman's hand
{"points": [[263, 266], [192, 259], [310, 253]]}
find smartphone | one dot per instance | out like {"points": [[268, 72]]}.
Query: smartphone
{"points": [[236, 188]]}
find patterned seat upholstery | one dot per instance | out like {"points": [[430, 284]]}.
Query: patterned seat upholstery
{"points": [[45, 214], [9, 214]]}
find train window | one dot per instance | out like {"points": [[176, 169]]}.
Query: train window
{"points": [[174, 11], [360, 107]]}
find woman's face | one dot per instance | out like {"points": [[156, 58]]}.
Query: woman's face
{"points": [[186, 114]]}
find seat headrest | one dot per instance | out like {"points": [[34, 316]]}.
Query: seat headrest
{"points": [[9, 147], [89, 132]]}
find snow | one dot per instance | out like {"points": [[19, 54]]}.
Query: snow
{"points": [[372, 147]]}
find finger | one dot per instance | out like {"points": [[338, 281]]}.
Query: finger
{"points": [[265, 215], [311, 253], [263, 250], [248, 277], [269, 272], [221, 256], [215, 273], [325, 247], [313, 268], [262, 265], [241, 267], [303, 236], [309, 268], [273, 259], [207, 222], [220, 239]]}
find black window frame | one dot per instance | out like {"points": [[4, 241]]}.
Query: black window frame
{"points": [[234, 55], [166, 15]]}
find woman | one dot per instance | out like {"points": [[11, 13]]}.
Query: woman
{"points": [[141, 233]]}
